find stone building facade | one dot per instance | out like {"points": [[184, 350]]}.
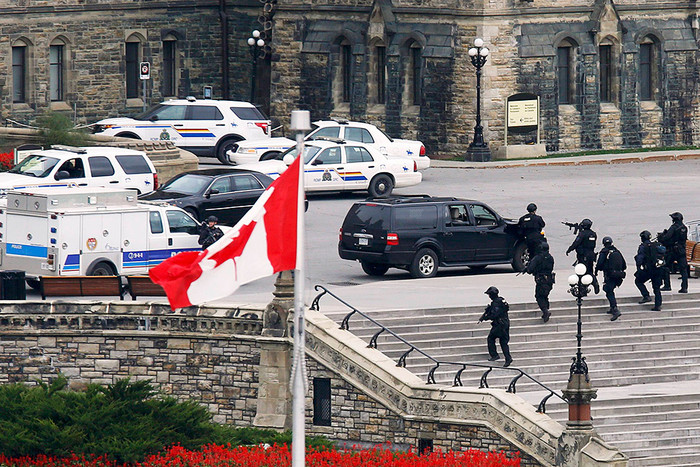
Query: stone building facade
{"points": [[608, 73]]}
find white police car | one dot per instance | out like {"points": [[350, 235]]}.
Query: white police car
{"points": [[204, 127], [62, 166], [337, 165], [251, 151]]}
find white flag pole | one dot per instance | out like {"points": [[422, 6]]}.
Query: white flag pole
{"points": [[301, 122]]}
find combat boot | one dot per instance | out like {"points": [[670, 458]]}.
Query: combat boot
{"points": [[615, 314]]}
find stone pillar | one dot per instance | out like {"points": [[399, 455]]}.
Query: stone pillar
{"points": [[578, 394], [277, 311], [274, 404], [590, 100]]}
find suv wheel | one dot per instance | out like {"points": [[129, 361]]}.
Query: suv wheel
{"points": [[381, 186], [229, 144], [425, 264], [374, 269], [521, 257]]}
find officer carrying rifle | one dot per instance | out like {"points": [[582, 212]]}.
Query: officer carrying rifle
{"points": [[497, 313], [209, 232], [584, 244]]}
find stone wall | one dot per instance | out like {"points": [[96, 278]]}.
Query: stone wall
{"points": [[215, 354]]}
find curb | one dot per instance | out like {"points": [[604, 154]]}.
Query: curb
{"points": [[437, 163]]}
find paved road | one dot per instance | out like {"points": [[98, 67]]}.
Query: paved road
{"points": [[621, 199]]}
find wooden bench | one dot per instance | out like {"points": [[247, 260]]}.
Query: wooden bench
{"points": [[143, 285], [82, 286], [692, 254]]}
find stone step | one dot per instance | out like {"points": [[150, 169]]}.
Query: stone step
{"points": [[653, 345], [628, 359]]}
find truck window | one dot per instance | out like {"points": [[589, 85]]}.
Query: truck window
{"points": [[248, 113], [134, 164], [35, 166], [205, 112], [416, 217], [179, 222], [74, 167], [100, 166], [156, 222], [483, 216]]}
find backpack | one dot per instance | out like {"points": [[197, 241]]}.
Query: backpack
{"points": [[656, 255]]}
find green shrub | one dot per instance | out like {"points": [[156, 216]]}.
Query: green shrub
{"points": [[57, 128], [125, 421]]}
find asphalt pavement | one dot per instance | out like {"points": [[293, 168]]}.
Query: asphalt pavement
{"points": [[637, 199]]}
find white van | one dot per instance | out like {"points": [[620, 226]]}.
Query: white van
{"points": [[63, 166], [90, 231]]}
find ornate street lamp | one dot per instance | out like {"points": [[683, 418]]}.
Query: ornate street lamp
{"points": [[256, 44], [478, 149], [578, 392]]}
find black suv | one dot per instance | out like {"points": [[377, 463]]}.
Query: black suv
{"points": [[420, 233]]}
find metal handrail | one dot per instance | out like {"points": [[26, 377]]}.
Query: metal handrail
{"points": [[345, 325]]}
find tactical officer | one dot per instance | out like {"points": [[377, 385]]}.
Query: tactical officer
{"points": [[584, 244], [209, 232], [613, 265], [497, 313], [647, 269], [541, 267], [530, 227], [674, 239]]}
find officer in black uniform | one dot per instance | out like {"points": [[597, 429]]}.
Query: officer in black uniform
{"points": [[530, 227], [584, 244], [209, 232], [647, 269], [613, 265], [497, 313], [674, 239], [542, 267]]}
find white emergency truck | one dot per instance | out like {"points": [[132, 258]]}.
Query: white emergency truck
{"points": [[89, 231]]}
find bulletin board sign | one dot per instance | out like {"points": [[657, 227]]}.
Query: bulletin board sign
{"points": [[522, 113]]}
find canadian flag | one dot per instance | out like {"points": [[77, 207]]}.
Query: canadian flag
{"points": [[262, 243]]}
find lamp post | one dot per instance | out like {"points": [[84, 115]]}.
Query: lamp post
{"points": [[478, 149], [256, 44], [578, 392]]}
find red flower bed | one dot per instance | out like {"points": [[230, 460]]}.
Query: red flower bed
{"points": [[280, 456], [6, 161]]}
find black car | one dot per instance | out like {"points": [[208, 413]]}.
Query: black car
{"points": [[225, 193], [420, 233]]}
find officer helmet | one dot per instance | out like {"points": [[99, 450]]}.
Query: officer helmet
{"points": [[676, 216], [586, 224], [645, 235], [544, 246], [212, 219], [532, 207], [607, 241], [491, 291]]}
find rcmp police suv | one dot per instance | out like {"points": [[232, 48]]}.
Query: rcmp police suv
{"points": [[204, 127], [63, 166], [337, 165], [90, 231]]}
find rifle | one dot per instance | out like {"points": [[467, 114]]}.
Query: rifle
{"points": [[572, 225]]}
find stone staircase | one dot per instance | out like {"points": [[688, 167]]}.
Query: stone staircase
{"points": [[645, 365]]}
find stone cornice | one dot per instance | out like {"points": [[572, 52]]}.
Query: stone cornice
{"points": [[404, 393]]}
